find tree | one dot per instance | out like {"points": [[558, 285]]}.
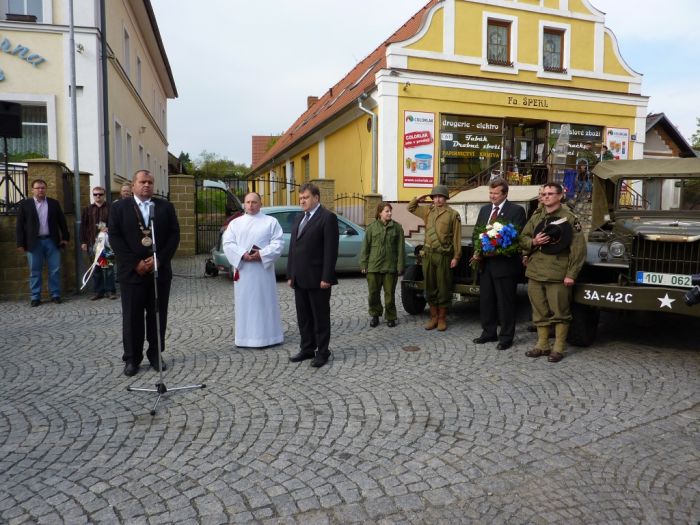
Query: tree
{"points": [[695, 139], [185, 163], [211, 166]]}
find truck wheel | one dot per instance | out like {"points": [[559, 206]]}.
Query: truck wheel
{"points": [[413, 300], [584, 325]]}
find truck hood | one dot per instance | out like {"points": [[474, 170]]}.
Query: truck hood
{"points": [[661, 229]]}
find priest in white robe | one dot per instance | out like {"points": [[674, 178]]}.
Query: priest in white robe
{"points": [[252, 243]]}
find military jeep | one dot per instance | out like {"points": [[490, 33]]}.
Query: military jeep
{"points": [[466, 282], [643, 225]]}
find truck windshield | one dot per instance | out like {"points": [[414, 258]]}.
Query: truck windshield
{"points": [[658, 194]]}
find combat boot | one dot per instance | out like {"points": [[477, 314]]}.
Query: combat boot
{"points": [[442, 319], [561, 330], [433, 322], [542, 345]]}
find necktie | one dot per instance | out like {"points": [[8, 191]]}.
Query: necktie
{"points": [[307, 216], [494, 214]]}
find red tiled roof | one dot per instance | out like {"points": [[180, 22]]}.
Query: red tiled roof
{"points": [[345, 92], [260, 143]]}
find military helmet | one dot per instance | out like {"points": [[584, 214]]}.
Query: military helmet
{"points": [[440, 190]]}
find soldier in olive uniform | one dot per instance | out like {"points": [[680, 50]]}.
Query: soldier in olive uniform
{"points": [[557, 251], [441, 252]]}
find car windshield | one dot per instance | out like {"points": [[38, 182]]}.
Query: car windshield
{"points": [[286, 219], [658, 194]]}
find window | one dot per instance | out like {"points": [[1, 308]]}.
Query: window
{"points": [[35, 136], [127, 53], [140, 157], [148, 162], [129, 159], [306, 166], [26, 7], [138, 75], [498, 43], [118, 148], [286, 219], [553, 50]]}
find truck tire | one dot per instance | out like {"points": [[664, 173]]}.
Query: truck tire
{"points": [[412, 300], [584, 325]]}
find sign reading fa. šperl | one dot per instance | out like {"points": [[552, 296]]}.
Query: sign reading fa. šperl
{"points": [[418, 149], [20, 51], [527, 101]]}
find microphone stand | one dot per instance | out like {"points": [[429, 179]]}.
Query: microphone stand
{"points": [[160, 388]]}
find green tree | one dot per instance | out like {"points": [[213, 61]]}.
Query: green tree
{"points": [[695, 138], [210, 165], [186, 163]]}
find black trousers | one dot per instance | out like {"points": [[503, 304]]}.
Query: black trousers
{"points": [[138, 299], [314, 319], [498, 305]]}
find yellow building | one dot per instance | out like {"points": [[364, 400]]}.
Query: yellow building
{"points": [[35, 72], [463, 90]]}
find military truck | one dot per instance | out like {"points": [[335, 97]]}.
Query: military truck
{"points": [[643, 225], [466, 283]]}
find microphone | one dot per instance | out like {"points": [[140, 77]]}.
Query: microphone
{"points": [[151, 211]]}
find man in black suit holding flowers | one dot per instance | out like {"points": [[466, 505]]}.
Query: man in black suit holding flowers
{"points": [[498, 273]]}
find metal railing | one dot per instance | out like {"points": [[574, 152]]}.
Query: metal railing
{"points": [[13, 187], [351, 206]]}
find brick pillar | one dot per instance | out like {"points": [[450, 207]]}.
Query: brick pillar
{"points": [[327, 187], [182, 195], [372, 200], [52, 172]]}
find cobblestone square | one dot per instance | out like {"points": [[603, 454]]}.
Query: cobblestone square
{"points": [[452, 433]]}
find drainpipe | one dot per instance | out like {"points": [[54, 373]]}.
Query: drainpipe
{"points": [[363, 97], [105, 104]]}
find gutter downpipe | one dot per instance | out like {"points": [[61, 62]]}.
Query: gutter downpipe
{"points": [[373, 184], [105, 104]]}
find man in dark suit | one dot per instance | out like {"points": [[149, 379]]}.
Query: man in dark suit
{"points": [[499, 273], [41, 233], [313, 251], [134, 224]]}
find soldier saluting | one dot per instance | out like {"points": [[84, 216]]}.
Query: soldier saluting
{"points": [[557, 250], [441, 252]]}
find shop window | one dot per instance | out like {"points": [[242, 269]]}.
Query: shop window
{"points": [[35, 136], [498, 43], [24, 10], [553, 50]]}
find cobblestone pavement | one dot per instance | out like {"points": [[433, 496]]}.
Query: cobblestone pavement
{"points": [[451, 433]]}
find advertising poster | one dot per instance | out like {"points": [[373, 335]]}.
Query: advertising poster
{"points": [[618, 142], [418, 149]]}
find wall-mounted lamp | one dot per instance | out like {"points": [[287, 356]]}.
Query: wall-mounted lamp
{"points": [[80, 48], [406, 86], [142, 129], [394, 73]]}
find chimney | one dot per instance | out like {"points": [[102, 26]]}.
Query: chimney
{"points": [[310, 101]]}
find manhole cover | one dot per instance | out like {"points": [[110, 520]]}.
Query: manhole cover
{"points": [[410, 348]]}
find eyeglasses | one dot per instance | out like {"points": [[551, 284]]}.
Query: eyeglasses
{"points": [[549, 194], [98, 194]]}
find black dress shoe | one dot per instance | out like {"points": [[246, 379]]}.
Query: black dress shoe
{"points": [[391, 324], [504, 346], [319, 360], [485, 339], [374, 321], [154, 364], [35, 302], [301, 356], [56, 300], [130, 369]]}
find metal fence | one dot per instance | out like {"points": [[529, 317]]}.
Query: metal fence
{"points": [[13, 187], [351, 206]]}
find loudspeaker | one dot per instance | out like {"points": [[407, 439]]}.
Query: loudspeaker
{"points": [[10, 120]]}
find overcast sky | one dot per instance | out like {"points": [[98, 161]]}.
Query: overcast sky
{"points": [[245, 68]]}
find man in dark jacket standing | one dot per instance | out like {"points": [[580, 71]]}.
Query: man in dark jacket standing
{"points": [[132, 236], [313, 251], [499, 273], [42, 231]]}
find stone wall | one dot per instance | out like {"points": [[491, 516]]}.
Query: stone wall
{"points": [[182, 195], [327, 187]]}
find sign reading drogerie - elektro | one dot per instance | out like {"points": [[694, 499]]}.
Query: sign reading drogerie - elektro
{"points": [[418, 149]]}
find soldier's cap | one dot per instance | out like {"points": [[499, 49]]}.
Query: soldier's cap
{"points": [[560, 235], [440, 190]]}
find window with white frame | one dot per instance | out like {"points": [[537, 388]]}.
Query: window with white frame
{"points": [[118, 148], [138, 75], [129, 153], [25, 7], [35, 135], [127, 53], [498, 40], [553, 50], [148, 162]]}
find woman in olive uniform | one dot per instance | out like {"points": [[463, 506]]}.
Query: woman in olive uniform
{"points": [[382, 260], [556, 251], [441, 252]]}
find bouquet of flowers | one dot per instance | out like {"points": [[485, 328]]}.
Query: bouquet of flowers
{"points": [[496, 239]]}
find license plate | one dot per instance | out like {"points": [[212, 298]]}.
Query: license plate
{"points": [[665, 279]]}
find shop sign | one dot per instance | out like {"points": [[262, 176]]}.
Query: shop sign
{"points": [[578, 136], [528, 102], [21, 52], [465, 124], [418, 149], [618, 142], [468, 145]]}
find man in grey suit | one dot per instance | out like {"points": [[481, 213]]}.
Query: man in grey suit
{"points": [[313, 251], [499, 274]]}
